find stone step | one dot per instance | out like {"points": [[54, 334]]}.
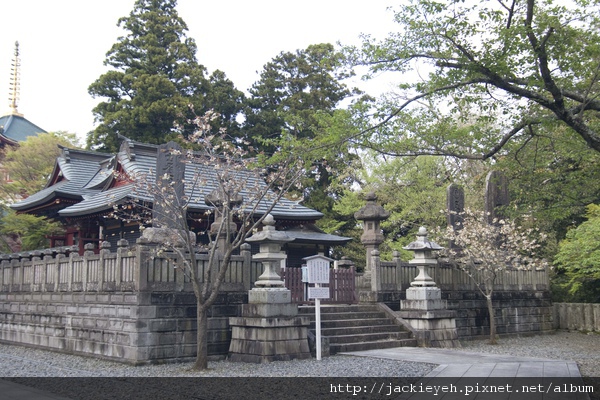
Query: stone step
{"points": [[361, 346], [350, 315], [349, 323], [359, 329], [334, 308], [367, 337]]}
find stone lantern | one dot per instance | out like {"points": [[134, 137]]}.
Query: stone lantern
{"points": [[371, 214], [423, 257], [269, 328], [424, 308], [270, 255]]}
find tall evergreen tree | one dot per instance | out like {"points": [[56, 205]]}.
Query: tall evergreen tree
{"points": [[154, 80], [295, 99]]}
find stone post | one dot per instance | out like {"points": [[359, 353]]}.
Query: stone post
{"points": [[424, 309], [219, 199], [246, 253], [269, 328]]}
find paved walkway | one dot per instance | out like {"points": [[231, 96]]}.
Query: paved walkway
{"points": [[489, 376], [465, 375]]}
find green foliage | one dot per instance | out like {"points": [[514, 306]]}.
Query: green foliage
{"points": [[578, 258], [412, 190], [292, 108], [154, 81], [30, 164], [487, 72], [553, 177], [292, 90], [28, 230]]}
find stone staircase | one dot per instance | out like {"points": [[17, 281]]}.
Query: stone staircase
{"points": [[358, 327]]}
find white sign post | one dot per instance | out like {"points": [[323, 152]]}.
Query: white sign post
{"points": [[318, 273]]}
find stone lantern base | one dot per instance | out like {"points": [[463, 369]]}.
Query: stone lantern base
{"points": [[269, 329], [426, 312]]}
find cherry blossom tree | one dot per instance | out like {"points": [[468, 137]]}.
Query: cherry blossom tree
{"points": [[484, 251], [239, 192]]}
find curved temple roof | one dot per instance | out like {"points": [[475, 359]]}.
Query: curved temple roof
{"points": [[89, 178]]}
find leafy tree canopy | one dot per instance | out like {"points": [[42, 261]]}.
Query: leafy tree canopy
{"points": [[553, 177], [290, 108], [23, 232], [412, 190], [154, 80], [503, 69], [30, 164], [578, 257], [292, 89]]}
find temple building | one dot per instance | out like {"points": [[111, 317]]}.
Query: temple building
{"points": [[86, 186]]}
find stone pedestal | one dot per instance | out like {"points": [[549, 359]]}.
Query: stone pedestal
{"points": [[426, 312], [269, 329]]}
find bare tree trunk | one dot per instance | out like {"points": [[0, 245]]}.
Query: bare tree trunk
{"points": [[201, 338], [492, 317]]}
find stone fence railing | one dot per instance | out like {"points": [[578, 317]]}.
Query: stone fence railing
{"points": [[128, 269], [396, 275], [577, 316]]}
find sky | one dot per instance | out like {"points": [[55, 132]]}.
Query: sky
{"points": [[63, 44]]}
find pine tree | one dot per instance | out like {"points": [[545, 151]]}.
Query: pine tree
{"points": [[154, 79]]}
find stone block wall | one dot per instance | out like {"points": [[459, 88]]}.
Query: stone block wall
{"points": [[100, 324], [516, 312], [135, 328]]}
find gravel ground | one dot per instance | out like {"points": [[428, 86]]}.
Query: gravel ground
{"points": [[32, 367], [16, 361]]}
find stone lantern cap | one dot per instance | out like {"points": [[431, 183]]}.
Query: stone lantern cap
{"points": [[372, 211], [422, 243], [269, 234], [218, 197]]}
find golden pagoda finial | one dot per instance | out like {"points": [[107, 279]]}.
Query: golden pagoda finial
{"points": [[14, 82]]}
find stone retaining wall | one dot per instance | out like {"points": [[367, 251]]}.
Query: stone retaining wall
{"points": [[521, 297], [135, 328], [126, 306], [516, 313]]}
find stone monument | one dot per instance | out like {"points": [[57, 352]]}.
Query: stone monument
{"points": [[269, 328], [424, 309], [166, 223], [455, 204], [496, 195]]}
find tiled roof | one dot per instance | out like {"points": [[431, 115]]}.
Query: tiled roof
{"points": [[17, 129], [73, 169], [311, 234], [87, 175]]}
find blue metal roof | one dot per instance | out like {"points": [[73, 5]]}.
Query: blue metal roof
{"points": [[16, 128]]}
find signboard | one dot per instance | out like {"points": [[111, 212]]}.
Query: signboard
{"points": [[318, 272], [318, 292], [318, 269]]}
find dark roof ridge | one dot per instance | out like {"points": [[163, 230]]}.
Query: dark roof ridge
{"points": [[83, 151]]}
